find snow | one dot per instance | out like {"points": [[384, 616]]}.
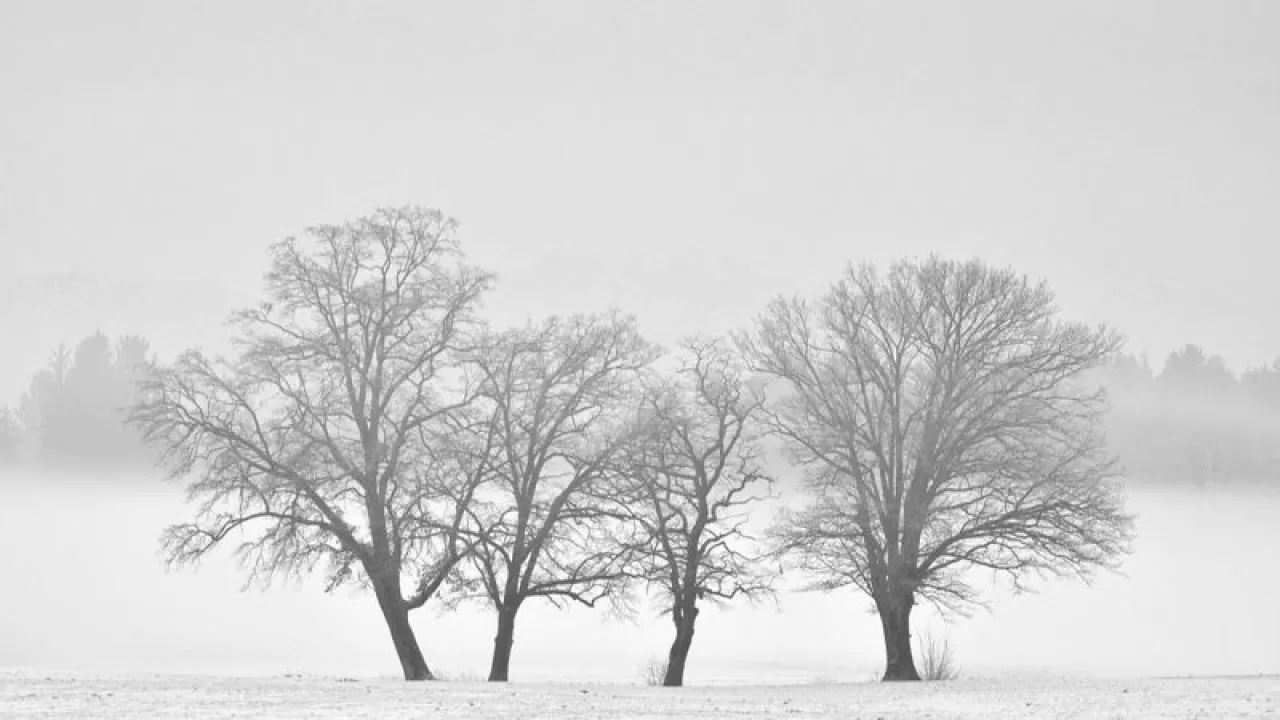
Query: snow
{"points": [[1156, 619], [25, 693]]}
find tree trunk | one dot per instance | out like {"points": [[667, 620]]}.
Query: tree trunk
{"points": [[895, 620], [407, 650], [679, 654], [499, 669]]}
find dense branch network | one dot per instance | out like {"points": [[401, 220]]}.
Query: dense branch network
{"points": [[941, 413], [326, 439], [691, 476], [558, 397]]}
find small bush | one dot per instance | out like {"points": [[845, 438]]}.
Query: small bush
{"points": [[654, 673], [937, 660]]}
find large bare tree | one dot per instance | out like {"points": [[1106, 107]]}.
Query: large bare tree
{"points": [[942, 415], [560, 396], [693, 474], [328, 438]]}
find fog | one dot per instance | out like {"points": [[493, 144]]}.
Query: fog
{"points": [[720, 152], [88, 591], [685, 163]]}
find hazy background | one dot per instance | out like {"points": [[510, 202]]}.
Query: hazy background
{"points": [[685, 162]]}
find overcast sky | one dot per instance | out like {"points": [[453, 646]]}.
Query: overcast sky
{"points": [[685, 161]]}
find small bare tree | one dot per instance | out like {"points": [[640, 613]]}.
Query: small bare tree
{"points": [[327, 439], [940, 413], [559, 396], [692, 476]]}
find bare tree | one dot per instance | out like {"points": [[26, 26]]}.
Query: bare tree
{"points": [[559, 397], [325, 440], [942, 418], [693, 476]]}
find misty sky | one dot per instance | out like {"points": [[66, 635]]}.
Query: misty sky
{"points": [[685, 161]]}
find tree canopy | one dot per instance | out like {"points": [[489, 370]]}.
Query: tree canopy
{"points": [[691, 478], [73, 413], [558, 398], [941, 415], [325, 440]]}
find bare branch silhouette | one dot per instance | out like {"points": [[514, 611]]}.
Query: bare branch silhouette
{"points": [[941, 415], [559, 397], [328, 439], [693, 474]]}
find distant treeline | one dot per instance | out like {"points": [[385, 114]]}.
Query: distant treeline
{"points": [[1194, 422], [72, 414]]}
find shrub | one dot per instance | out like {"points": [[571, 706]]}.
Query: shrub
{"points": [[937, 659], [654, 673]]}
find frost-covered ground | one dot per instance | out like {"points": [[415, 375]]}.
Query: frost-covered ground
{"points": [[62, 695], [142, 619]]}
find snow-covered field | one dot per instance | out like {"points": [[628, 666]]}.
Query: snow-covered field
{"points": [[1154, 620], [1070, 651], [31, 695]]}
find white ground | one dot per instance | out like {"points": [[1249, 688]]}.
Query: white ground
{"points": [[27, 694]]}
